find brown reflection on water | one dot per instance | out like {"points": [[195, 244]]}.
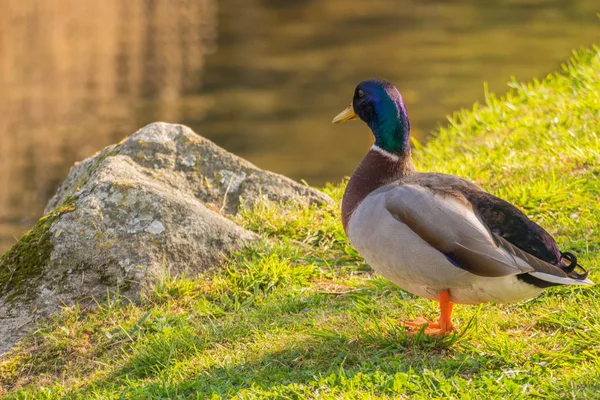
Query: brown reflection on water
{"points": [[263, 78]]}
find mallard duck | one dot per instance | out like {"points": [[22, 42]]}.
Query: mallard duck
{"points": [[439, 236]]}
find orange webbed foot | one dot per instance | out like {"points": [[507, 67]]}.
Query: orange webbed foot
{"points": [[429, 327], [442, 327]]}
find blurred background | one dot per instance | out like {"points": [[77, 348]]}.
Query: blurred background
{"points": [[262, 78]]}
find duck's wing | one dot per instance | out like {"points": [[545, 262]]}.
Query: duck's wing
{"points": [[446, 212], [499, 216]]}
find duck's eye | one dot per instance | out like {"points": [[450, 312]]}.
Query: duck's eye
{"points": [[361, 93]]}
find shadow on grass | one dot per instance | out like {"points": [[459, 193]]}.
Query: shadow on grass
{"points": [[163, 366]]}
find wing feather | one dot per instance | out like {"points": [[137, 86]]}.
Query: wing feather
{"points": [[449, 224]]}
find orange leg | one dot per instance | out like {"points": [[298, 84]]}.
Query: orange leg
{"points": [[442, 327]]}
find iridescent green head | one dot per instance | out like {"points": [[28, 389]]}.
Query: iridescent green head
{"points": [[379, 104]]}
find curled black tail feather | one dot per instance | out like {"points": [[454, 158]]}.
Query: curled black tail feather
{"points": [[572, 266]]}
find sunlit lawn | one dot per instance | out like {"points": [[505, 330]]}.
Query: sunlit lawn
{"points": [[300, 315]]}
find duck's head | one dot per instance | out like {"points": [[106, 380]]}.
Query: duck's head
{"points": [[379, 104]]}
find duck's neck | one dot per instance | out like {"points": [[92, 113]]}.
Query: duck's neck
{"points": [[377, 169]]}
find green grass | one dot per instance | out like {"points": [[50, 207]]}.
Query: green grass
{"points": [[301, 315]]}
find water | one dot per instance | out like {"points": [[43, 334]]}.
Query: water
{"points": [[262, 78]]}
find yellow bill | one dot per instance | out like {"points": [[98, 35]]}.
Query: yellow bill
{"points": [[346, 115]]}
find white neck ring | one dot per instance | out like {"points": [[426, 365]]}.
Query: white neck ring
{"points": [[385, 153]]}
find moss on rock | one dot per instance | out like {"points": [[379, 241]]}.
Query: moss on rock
{"points": [[26, 259]]}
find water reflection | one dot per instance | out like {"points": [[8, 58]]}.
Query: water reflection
{"points": [[263, 78]]}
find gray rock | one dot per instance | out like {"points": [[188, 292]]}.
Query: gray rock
{"points": [[154, 204], [174, 156]]}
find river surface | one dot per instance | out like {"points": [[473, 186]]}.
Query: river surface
{"points": [[262, 78]]}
